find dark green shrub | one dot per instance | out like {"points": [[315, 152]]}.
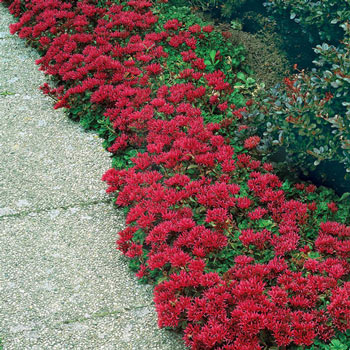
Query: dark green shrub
{"points": [[219, 7], [315, 19], [310, 116], [304, 24]]}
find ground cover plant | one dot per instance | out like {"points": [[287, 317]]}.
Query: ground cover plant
{"points": [[240, 259]]}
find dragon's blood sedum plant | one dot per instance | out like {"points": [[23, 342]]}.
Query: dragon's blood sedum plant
{"points": [[241, 260]]}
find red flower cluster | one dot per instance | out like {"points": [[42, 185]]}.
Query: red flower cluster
{"points": [[189, 194]]}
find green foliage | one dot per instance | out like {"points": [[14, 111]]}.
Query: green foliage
{"points": [[222, 261], [123, 161], [90, 117], [306, 123], [315, 19], [340, 342], [6, 93], [225, 9], [232, 56], [82, 112], [304, 24], [309, 118]]}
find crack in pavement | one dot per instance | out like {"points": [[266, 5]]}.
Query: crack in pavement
{"points": [[65, 207], [102, 314], [95, 316]]}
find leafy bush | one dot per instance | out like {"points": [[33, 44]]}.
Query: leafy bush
{"points": [[310, 116], [305, 24], [240, 259], [315, 19]]}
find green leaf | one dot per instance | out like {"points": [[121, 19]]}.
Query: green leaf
{"points": [[212, 55], [6, 93], [241, 76], [344, 196]]}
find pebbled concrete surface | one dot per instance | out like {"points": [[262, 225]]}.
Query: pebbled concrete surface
{"points": [[62, 283], [47, 149], [46, 161]]}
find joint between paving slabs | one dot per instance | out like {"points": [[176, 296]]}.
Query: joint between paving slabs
{"points": [[64, 207], [106, 313], [95, 316]]}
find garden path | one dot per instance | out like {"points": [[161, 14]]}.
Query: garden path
{"points": [[63, 285]]}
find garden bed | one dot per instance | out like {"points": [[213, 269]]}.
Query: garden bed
{"points": [[240, 259]]}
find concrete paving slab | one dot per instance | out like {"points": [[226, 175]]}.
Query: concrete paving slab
{"points": [[18, 71], [60, 273], [33, 175], [12, 45], [61, 264], [42, 157], [133, 330], [17, 60], [4, 33], [5, 18]]}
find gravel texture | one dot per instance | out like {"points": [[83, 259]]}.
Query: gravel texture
{"points": [[63, 285], [46, 161]]}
